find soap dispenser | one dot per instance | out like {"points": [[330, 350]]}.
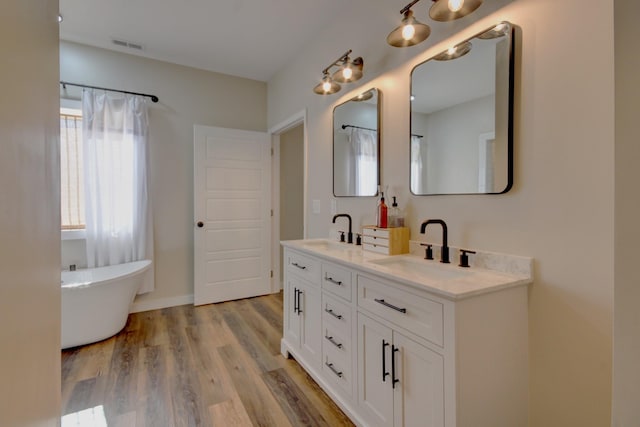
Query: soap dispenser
{"points": [[382, 212], [394, 213]]}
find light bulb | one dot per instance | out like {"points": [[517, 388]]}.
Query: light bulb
{"points": [[451, 50], [455, 5], [347, 72], [408, 31], [326, 86]]}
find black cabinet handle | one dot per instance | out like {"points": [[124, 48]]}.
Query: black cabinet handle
{"points": [[334, 370], [384, 361], [394, 380], [299, 309], [295, 300], [332, 280], [386, 304], [332, 341], [200, 224], [331, 312], [301, 267]]}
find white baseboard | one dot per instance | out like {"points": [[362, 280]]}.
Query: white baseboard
{"points": [[156, 304]]}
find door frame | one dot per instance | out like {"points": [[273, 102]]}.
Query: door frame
{"points": [[299, 118]]}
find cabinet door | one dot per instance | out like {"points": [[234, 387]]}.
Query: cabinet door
{"points": [[419, 392], [375, 392], [311, 317], [291, 316]]}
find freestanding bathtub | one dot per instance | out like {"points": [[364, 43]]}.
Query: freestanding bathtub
{"points": [[96, 301]]}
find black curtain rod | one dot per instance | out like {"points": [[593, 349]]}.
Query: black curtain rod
{"points": [[153, 97], [358, 127]]}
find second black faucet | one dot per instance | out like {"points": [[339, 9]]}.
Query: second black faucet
{"points": [[349, 234], [444, 252]]}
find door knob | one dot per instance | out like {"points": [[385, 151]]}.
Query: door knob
{"points": [[200, 224]]}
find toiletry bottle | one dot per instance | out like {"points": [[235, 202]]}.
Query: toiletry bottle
{"points": [[393, 214], [382, 213]]}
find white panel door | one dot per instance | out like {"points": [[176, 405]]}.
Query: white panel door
{"points": [[232, 207], [375, 392], [419, 392]]}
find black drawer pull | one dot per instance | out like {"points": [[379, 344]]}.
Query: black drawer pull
{"points": [[332, 341], [299, 309], [386, 304], [301, 267], [331, 312], [394, 380], [384, 361], [334, 281], [334, 370]]}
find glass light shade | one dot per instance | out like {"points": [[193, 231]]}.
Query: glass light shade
{"points": [[364, 96], [454, 52], [355, 68], [449, 10], [327, 86], [499, 30], [419, 33]]}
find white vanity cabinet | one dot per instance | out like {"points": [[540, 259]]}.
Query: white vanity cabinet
{"points": [[396, 349]]}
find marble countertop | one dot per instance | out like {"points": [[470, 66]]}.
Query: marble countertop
{"points": [[489, 272]]}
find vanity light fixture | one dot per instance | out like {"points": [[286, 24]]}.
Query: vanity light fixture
{"points": [[454, 52], [350, 71], [411, 31], [449, 10]]}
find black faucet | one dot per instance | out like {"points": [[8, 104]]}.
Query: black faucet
{"points": [[349, 234], [444, 253]]}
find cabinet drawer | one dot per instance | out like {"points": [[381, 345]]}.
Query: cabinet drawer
{"points": [[336, 280], [337, 313], [416, 314], [375, 248], [303, 266], [381, 241], [337, 369], [336, 340], [375, 232]]}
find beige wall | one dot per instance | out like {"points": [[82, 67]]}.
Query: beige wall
{"points": [[626, 337], [561, 208], [291, 184], [29, 215], [187, 96]]}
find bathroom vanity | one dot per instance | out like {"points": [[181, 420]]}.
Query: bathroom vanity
{"points": [[402, 341]]}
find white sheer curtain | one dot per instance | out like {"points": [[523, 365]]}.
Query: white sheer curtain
{"points": [[118, 214], [364, 147], [416, 165]]}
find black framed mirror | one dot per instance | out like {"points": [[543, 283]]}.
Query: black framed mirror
{"points": [[462, 117], [356, 146]]}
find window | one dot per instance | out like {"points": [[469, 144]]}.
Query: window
{"points": [[71, 169]]}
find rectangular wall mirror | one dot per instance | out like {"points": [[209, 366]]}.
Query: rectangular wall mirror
{"points": [[356, 146], [462, 117]]}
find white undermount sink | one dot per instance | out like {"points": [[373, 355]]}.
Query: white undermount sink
{"points": [[425, 268], [329, 245]]}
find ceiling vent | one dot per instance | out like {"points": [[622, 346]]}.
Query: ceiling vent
{"points": [[126, 44]]}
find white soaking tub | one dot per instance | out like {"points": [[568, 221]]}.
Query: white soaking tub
{"points": [[96, 301]]}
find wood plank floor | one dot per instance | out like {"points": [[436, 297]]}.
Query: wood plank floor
{"points": [[213, 365]]}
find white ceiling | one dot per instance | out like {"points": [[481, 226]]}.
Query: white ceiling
{"points": [[246, 38]]}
